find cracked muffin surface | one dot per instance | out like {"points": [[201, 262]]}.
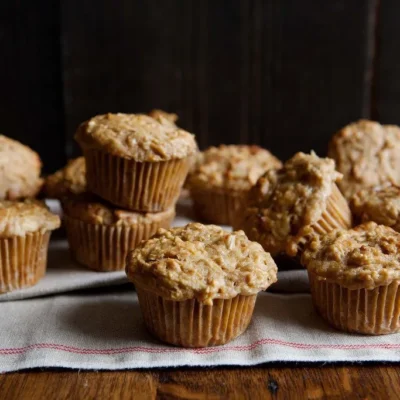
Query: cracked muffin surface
{"points": [[286, 202], [367, 154], [378, 204], [69, 180], [230, 167], [136, 136], [203, 262], [364, 257]]}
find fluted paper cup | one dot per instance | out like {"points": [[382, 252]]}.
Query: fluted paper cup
{"points": [[23, 260], [105, 247], [137, 186], [190, 323], [218, 207], [366, 311]]}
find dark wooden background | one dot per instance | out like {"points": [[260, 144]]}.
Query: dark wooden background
{"points": [[282, 73]]}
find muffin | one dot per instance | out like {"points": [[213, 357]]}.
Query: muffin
{"points": [[354, 278], [100, 235], [222, 177], [164, 117], [367, 154], [20, 169], [134, 161], [197, 285], [25, 229], [69, 180], [289, 205], [379, 204]]}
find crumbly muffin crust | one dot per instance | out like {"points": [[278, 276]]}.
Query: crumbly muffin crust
{"points": [[361, 258], [286, 202], [164, 117], [202, 262], [91, 209], [69, 180], [136, 136], [367, 154], [231, 167], [20, 169], [17, 218], [380, 204]]}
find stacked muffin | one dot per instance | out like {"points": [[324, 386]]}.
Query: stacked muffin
{"points": [[25, 224], [135, 167]]}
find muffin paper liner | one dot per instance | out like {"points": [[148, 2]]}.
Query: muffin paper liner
{"points": [[221, 208], [23, 260], [337, 215], [138, 186], [105, 247], [190, 323], [371, 312]]}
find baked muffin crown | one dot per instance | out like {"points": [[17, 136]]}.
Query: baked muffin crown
{"points": [[287, 200], [202, 262], [91, 209], [364, 257], [20, 168], [164, 117], [69, 180], [136, 136], [17, 218], [232, 167], [380, 204], [367, 154]]}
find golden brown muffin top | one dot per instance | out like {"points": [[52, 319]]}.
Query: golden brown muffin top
{"points": [[20, 169], [164, 117], [86, 207], [136, 136], [232, 167], [361, 258], [17, 218], [286, 202], [367, 154], [380, 204], [202, 262], [69, 180]]}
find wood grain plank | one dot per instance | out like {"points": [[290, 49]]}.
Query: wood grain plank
{"points": [[315, 57], [387, 88], [125, 58], [280, 73], [31, 105], [267, 382]]}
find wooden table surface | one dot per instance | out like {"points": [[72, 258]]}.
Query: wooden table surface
{"points": [[265, 382]]}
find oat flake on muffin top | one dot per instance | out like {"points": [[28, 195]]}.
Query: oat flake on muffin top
{"points": [[69, 180], [17, 218], [364, 257], [164, 117], [91, 209], [201, 261], [136, 136], [367, 154], [286, 201], [232, 167], [20, 169], [379, 204]]}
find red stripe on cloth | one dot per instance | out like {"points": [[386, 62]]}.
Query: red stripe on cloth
{"points": [[206, 350]]}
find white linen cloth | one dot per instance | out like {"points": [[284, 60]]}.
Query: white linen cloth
{"points": [[52, 325], [106, 331]]}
